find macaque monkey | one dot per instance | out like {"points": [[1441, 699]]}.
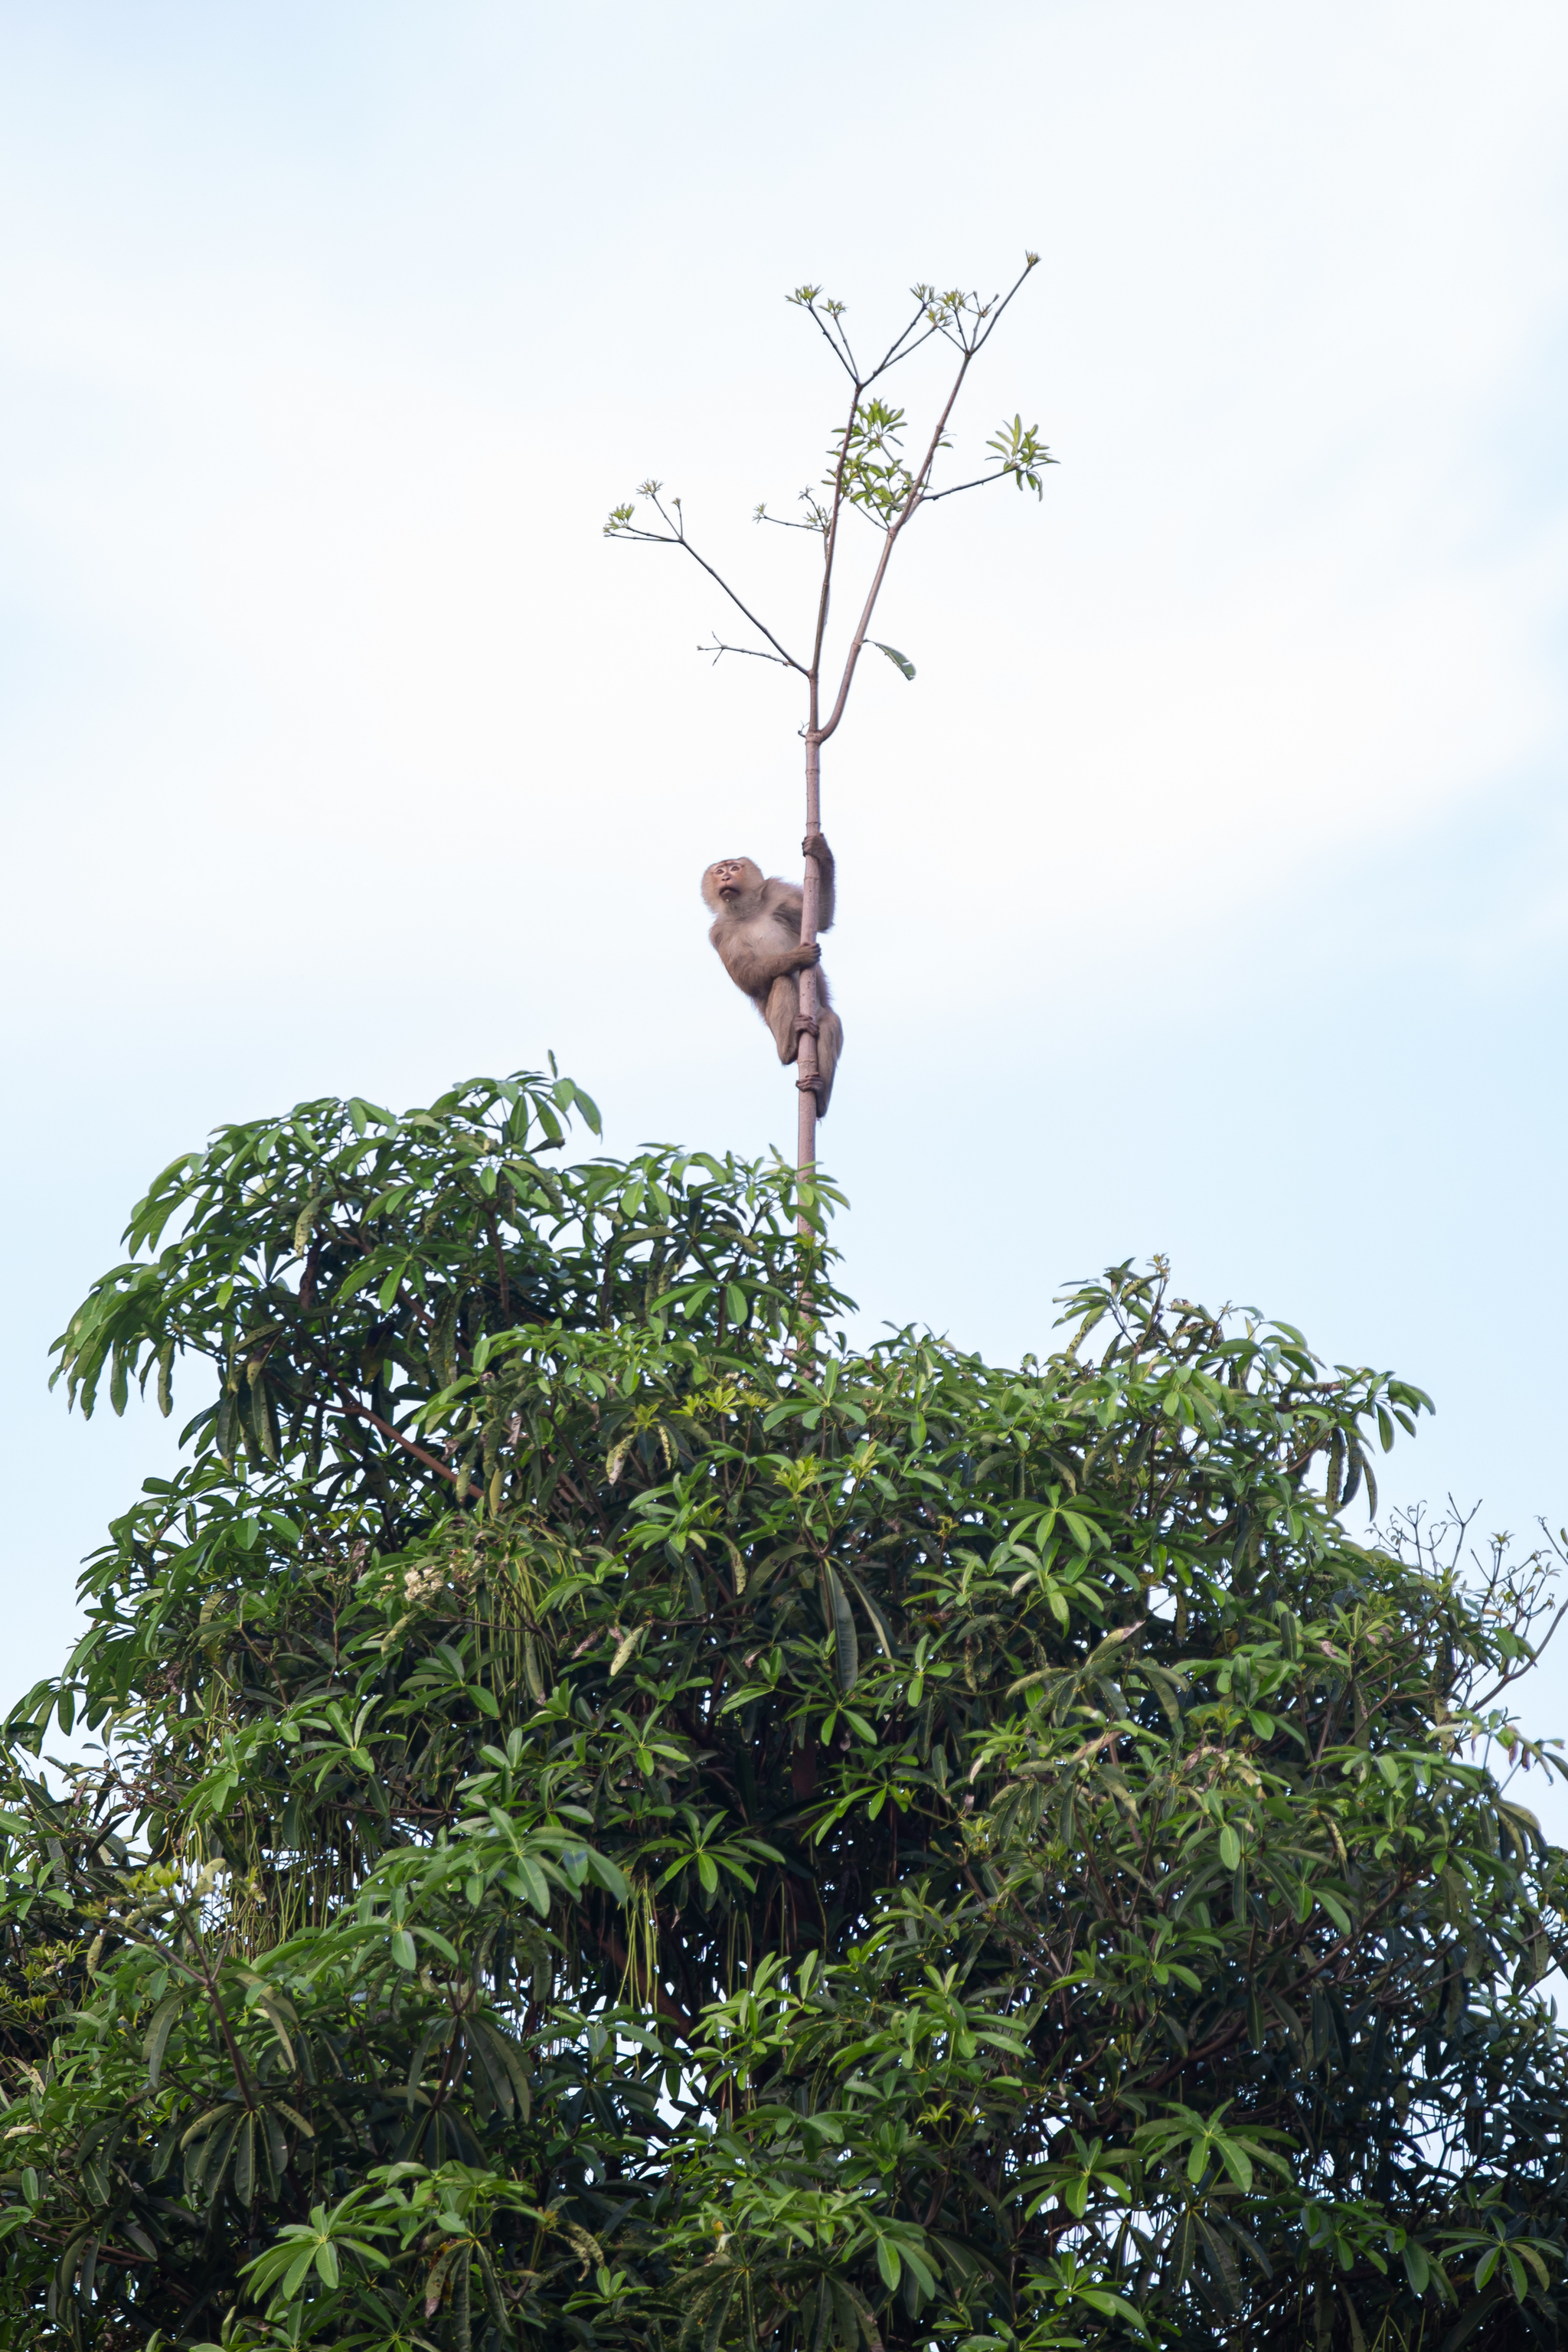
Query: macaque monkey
{"points": [[757, 933]]}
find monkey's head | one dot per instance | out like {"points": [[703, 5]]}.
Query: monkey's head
{"points": [[731, 884]]}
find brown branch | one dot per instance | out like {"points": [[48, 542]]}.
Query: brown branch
{"points": [[830, 546], [979, 483], [678, 538], [111, 2254], [197, 1972], [752, 653], [351, 1405], [911, 507], [918, 492]]}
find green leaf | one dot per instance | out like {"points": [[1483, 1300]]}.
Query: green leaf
{"points": [[605, 1873], [1334, 1907], [847, 1649], [403, 1951], [535, 1885], [1114, 2306], [877, 1621], [899, 661], [297, 2273], [357, 1278], [158, 2033]]}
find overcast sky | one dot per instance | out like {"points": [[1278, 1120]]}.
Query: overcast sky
{"points": [[1206, 892]]}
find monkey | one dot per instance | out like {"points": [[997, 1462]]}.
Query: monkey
{"points": [[757, 934]]}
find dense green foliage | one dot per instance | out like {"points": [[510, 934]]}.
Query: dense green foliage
{"points": [[614, 1827]]}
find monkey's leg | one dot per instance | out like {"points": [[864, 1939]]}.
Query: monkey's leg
{"points": [[779, 1012], [830, 1046]]}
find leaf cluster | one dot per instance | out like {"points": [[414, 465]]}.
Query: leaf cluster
{"points": [[622, 1821]]}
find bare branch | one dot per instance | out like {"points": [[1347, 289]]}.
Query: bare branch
{"points": [[1031, 261], [807, 499], [676, 537], [1524, 1665], [837, 341], [894, 354], [752, 653], [953, 488], [1007, 473], [351, 1405]]}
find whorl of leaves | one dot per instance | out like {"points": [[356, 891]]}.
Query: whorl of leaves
{"points": [[618, 1826]]}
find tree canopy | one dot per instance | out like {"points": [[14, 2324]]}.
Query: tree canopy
{"points": [[621, 1819]]}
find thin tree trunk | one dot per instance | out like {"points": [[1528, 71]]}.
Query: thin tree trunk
{"points": [[805, 1078], [815, 734]]}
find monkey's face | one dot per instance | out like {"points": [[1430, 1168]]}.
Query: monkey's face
{"points": [[730, 881]]}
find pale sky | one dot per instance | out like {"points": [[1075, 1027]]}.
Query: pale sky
{"points": [[1206, 892]]}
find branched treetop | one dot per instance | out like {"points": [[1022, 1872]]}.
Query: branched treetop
{"points": [[868, 471], [869, 475]]}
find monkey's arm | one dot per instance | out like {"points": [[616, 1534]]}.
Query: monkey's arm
{"points": [[815, 845]]}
